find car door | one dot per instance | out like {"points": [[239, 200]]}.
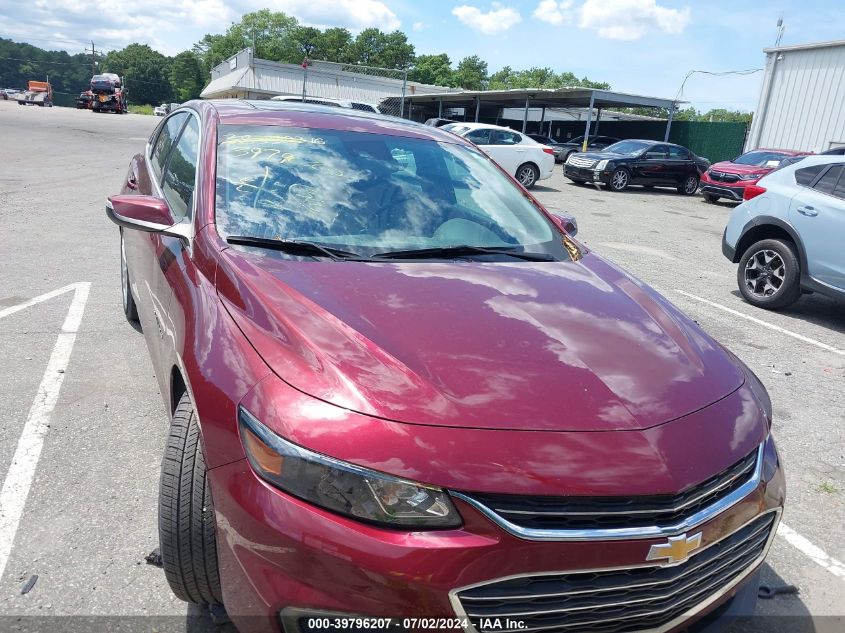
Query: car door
{"points": [[679, 164], [650, 168], [508, 149], [818, 214], [144, 249], [174, 265]]}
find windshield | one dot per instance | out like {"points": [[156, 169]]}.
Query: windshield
{"points": [[369, 193], [758, 158], [627, 148]]}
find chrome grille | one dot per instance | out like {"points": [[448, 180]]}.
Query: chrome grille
{"points": [[583, 163], [593, 513], [619, 600], [721, 176]]}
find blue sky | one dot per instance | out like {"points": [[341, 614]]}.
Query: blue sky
{"points": [[639, 46]]}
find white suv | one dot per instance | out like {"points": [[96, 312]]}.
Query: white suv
{"points": [[522, 157], [787, 236]]}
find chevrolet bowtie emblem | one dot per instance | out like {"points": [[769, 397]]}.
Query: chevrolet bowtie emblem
{"points": [[676, 550]]}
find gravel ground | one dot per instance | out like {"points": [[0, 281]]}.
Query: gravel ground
{"points": [[90, 516]]}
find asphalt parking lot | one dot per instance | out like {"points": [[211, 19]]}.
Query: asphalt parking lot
{"points": [[76, 371]]}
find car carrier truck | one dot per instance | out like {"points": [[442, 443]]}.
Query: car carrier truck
{"points": [[108, 94], [38, 93]]}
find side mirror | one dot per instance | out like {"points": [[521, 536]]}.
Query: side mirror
{"points": [[145, 213], [566, 222]]}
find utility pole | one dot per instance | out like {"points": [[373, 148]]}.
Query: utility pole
{"points": [[93, 59]]}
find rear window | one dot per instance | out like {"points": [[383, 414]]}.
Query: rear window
{"points": [[759, 158], [807, 175]]}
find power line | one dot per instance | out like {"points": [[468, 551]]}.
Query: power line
{"points": [[749, 71]]}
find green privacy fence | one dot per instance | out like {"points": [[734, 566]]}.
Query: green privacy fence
{"points": [[714, 141]]}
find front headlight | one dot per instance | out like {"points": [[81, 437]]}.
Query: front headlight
{"points": [[602, 164], [751, 176], [341, 487]]}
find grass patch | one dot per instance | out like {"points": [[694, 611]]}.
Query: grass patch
{"points": [[828, 488], [141, 109]]}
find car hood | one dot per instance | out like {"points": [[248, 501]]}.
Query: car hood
{"points": [[734, 168], [563, 346], [603, 156]]}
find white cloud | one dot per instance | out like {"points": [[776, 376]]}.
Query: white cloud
{"points": [[631, 19], [352, 14], [419, 26], [554, 12], [497, 20]]}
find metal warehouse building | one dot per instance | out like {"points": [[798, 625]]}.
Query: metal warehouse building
{"points": [[244, 76], [802, 100]]}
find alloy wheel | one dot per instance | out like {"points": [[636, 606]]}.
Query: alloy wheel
{"points": [[764, 273], [526, 176], [690, 185], [619, 180]]}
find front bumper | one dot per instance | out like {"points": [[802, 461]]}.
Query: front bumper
{"points": [[733, 192], [278, 553], [586, 174]]}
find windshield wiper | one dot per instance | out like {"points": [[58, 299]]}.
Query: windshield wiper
{"points": [[449, 252], [294, 247]]}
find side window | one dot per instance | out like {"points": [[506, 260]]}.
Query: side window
{"points": [[180, 175], [839, 189], [479, 137], [164, 142], [658, 152], [807, 175], [678, 153], [501, 137], [827, 183]]}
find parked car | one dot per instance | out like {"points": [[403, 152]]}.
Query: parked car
{"points": [[556, 146], [522, 157], [595, 144], [787, 235], [438, 122], [398, 386], [162, 110], [326, 101], [728, 179], [638, 162], [835, 151]]}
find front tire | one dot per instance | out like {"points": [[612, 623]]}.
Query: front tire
{"points": [[769, 274], [689, 186], [620, 179], [186, 523], [527, 174], [130, 309]]}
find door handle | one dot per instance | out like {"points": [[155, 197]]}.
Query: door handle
{"points": [[807, 210]]}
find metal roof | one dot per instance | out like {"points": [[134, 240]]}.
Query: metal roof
{"points": [[804, 47], [575, 97]]}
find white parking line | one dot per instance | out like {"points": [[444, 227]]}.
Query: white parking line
{"points": [[771, 326], [19, 478], [812, 551]]}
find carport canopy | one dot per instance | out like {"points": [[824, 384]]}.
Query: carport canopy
{"points": [[590, 98]]}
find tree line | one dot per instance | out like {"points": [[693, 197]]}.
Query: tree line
{"points": [[151, 77]]}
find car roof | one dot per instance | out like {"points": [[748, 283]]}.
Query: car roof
{"points": [[309, 115], [788, 152], [817, 159], [472, 125]]}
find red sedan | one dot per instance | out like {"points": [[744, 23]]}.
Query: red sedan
{"points": [[401, 390]]}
